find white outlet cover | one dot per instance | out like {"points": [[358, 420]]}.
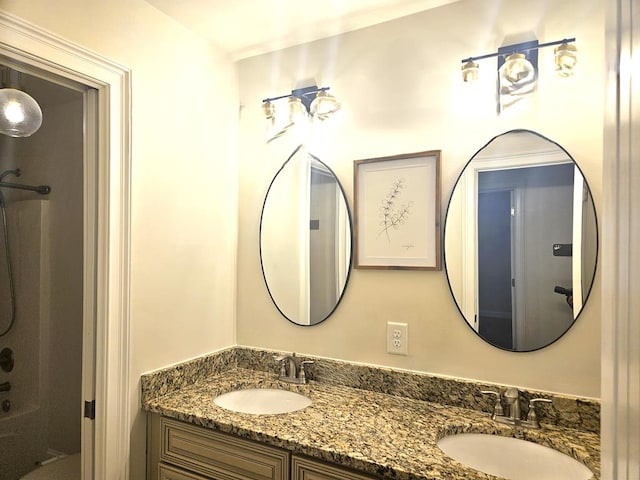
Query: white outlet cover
{"points": [[397, 338]]}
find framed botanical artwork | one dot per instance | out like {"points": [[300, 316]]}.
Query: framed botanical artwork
{"points": [[397, 211]]}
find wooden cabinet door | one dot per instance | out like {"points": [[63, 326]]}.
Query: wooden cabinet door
{"points": [[218, 455], [303, 468], [167, 472]]}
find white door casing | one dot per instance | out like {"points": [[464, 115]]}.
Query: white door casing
{"points": [[620, 270], [107, 161]]}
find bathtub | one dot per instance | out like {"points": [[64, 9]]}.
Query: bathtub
{"points": [[22, 444]]}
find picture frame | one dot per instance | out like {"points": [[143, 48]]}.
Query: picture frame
{"points": [[397, 212]]}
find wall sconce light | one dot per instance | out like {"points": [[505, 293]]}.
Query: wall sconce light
{"points": [[517, 70], [303, 103], [566, 59], [518, 63], [470, 71], [20, 114], [314, 101], [324, 105]]}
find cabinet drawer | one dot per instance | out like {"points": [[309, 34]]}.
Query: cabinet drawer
{"points": [[307, 469], [167, 472], [221, 456]]}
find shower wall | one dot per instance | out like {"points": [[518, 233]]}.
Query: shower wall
{"points": [[55, 158], [22, 436], [52, 351]]}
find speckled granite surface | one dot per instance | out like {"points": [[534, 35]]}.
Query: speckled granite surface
{"points": [[578, 413], [384, 435], [379, 421]]}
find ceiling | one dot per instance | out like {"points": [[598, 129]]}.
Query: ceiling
{"points": [[245, 28]]}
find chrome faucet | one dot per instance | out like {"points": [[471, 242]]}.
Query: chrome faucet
{"points": [[512, 397], [295, 373], [514, 415]]}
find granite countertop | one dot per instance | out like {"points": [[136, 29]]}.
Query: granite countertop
{"points": [[383, 435]]}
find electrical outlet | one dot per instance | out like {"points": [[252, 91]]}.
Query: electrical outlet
{"points": [[397, 338]]}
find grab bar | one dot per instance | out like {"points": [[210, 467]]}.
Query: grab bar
{"points": [[5, 387], [41, 189]]}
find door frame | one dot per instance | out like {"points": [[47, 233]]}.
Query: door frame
{"points": [[469, 180], [620, 270], [107, 165]]}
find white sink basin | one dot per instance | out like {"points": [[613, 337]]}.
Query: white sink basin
{"points": [[262, 401], [512, 458]]}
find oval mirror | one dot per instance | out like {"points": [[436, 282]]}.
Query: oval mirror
{"points": [[305, 240], [521, 241]]}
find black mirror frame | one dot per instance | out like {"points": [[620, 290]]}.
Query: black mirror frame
{"points": [[351, 237], [444, 243]]}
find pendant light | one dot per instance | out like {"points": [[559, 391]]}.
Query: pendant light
{"points": [[20, 114]]}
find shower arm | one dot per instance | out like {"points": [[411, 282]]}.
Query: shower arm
{"points": [[41, 189]]}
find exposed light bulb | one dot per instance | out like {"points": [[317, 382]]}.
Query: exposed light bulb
{"points": [[20, 114], [297, 110], [13, 112], [297, 119], [566, 59], [269, 110], [517, 69], [470, 71], [324, 105]]}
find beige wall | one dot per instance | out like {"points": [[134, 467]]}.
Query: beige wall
{"points": [[401, 91], [183, 179]]}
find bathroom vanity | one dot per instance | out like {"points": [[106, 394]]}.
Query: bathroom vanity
{"points": [[346, 433], [181, 451]]}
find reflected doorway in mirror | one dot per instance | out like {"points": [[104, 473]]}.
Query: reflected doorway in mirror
{"points": [[516, 199], [305, 239]]}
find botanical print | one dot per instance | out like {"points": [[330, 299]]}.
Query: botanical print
{"points": [[393, 217], [397, 211]]}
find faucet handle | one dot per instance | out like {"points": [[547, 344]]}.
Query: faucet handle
{"points": [[497, 408], [280, 359], [531, 414], [303, 374]]}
